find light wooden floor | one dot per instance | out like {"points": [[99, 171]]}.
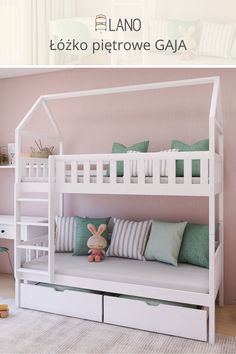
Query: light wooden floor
{"points": [[225, 316]]}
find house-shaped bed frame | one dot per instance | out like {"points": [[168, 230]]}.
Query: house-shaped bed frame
{"points": [[86, 174]]}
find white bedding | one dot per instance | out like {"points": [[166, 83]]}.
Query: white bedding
{"points": [[93, 179], [150, 273]]}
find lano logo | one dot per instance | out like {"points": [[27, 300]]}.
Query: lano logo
{"points": [[101, 23]]}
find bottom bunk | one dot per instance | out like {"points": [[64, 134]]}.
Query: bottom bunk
{"points": [[123, 292], [185, 277]]}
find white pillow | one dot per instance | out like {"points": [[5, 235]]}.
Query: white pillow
{"points": [[149, 165], [65, 233], [159, 29], [216, 39], [129, 238]]}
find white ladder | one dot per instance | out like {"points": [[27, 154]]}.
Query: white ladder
{"points": [[41, 245]]}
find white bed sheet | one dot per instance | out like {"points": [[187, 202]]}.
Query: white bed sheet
{"points": [[150, 273], [93, 179]]}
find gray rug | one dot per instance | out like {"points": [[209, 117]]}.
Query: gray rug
{"points": [[28, 331]]}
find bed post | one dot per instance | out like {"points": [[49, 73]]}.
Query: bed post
{"points": [[17, 212], [221, 202], [61, 195], [212, 147], [51, 218], [61, 146]]}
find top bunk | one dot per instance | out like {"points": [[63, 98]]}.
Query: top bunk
{"points": [[142, 174], [153, 173]]}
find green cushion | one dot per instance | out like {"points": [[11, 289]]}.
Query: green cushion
{"points": [[122, 149], [83, 234], [202, 145], [165, 241], [4, 250], [195, 246]]}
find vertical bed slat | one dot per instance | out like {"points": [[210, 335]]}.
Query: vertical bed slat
{"points": [[188, 171], [204, 171], [38, 169], [86, 172], [156, 171], [113, 168], [127, 172], [45, 167], [141, 171], [99, 172], [74, 172], [31, 170], [171, 171]]}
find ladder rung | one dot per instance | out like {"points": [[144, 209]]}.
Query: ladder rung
{"points": [[33, 248], [32, 200], [34, 241], [32, 271], [33, 223]]}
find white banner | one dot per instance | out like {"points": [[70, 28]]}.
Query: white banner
{"points": [[134, 32]]}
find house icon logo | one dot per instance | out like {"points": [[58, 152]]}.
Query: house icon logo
{"points": [[101, 23]]}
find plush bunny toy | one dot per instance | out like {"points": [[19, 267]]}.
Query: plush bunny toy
{"points": [[96, 243]]}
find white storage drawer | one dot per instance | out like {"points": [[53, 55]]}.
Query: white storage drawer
{"points": [[7, 231], [167, 319], [68, 302]]}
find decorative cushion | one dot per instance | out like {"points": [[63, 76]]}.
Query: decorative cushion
{"points": [[65, 233], [195, 246], [216, 39], [165, 241], [149, 165], [233, 49], [159, 29], [4, 250], [169, 30], [129, 238], [83, 234], [202, 145], [122, 149]]}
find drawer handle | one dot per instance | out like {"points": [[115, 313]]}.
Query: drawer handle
{"points": [[59, 290], [2, 231], [150, 304]]}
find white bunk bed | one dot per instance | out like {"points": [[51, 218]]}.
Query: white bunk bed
{"points": [[37, 267]]}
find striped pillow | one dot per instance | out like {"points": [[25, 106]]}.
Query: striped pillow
{"points": [[159, 29], [65, 233], [216, 39], [129, 239]]}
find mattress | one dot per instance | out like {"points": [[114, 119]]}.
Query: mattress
{"points": [[93, 179], [149, 273]]}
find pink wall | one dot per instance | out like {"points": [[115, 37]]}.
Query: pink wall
{"points": [[91, 126]]}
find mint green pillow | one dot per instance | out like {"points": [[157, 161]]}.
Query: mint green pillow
{"points": [[122, 149], [83, 234], [165, 241], [195, 246], [202, 145]]}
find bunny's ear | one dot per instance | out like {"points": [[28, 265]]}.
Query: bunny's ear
{"points": [[101, 229], [92, 228]]}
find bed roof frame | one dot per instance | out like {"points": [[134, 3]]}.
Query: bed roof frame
{"points": [[44, 99]]}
